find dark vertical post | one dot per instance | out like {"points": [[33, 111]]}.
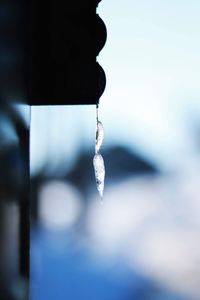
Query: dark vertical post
{"points": [[23, 134], [24, 209]]}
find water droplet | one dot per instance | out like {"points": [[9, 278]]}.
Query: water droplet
{"points": [[99, 170], [99, 136]]}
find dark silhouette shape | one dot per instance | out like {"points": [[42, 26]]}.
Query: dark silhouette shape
{"points": [[48, 52], [120, 163]]}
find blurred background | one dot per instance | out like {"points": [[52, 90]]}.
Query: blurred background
{"points": [[143, 243]]}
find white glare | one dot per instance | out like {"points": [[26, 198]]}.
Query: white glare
{"points": [[59, 205]]}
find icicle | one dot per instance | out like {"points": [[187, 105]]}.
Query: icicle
{"points": [[99, 170], [98, 162], [99, 136]]}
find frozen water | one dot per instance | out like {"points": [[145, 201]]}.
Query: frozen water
{"points": [[99, 170], [99, 136]]}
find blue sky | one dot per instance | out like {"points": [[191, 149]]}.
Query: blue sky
{"points": [[152, 64]]}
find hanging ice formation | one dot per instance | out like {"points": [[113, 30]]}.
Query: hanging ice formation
{"points": [[98, 162]]}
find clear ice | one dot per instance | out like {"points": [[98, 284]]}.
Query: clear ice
{"points": [[98, 162], [99, 136], [99, 170]]}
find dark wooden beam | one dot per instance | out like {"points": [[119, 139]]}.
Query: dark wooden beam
{"points": [[48, 52]]}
